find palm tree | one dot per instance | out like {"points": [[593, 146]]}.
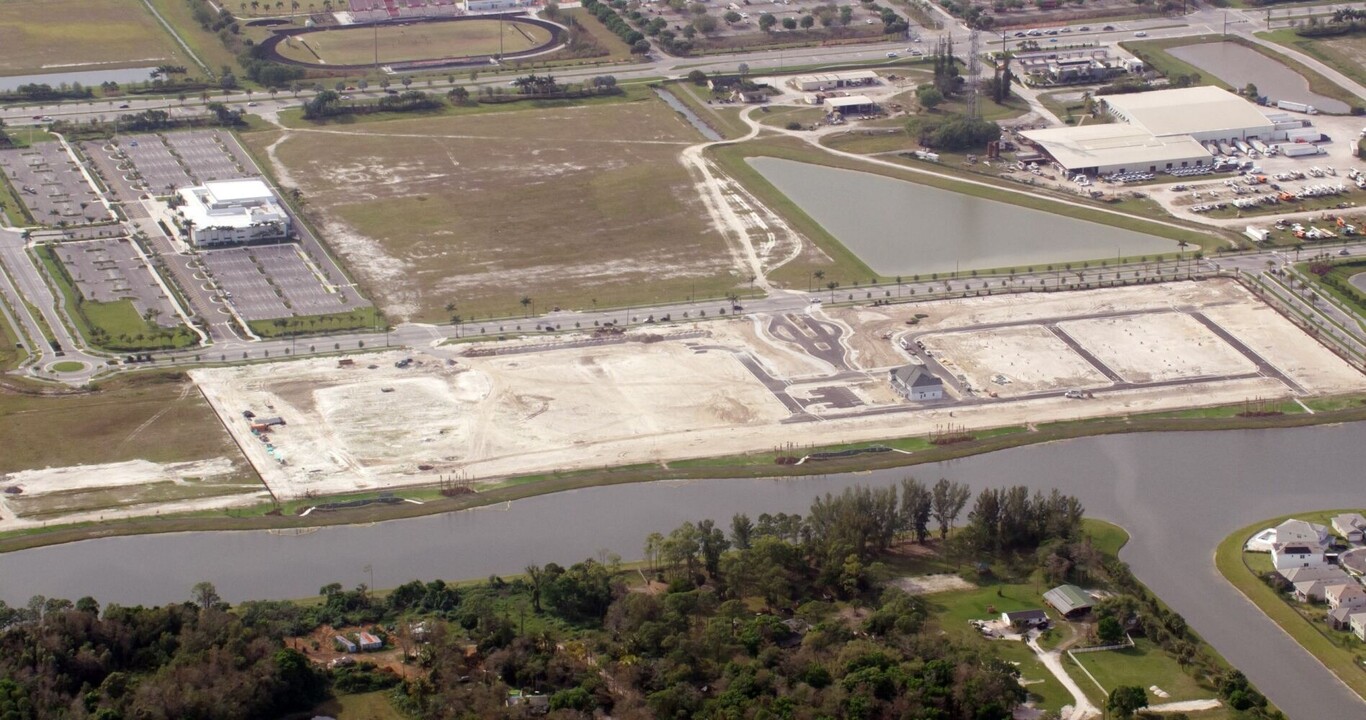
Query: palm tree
{"points": [[527, 303], [536, 577], [819, 275], [832, 285]]}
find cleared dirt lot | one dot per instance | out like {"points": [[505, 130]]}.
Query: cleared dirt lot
{"points": [[710, 393], [577, 204], [1157, 347]]}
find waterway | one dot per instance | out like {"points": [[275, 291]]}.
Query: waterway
{"points": [[1238, 66], [1178, 494], [903, 228], [672, 101], [84, 77]]}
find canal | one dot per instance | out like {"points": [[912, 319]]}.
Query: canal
{"points": [[1178, 494]]}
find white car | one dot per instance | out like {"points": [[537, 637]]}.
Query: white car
{"points": [[891, 54], [1140, 33]]}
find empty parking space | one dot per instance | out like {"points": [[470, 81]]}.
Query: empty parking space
{"points": [[149, 160], [270, 282], [111, 270], [51, 185], [205, 155]]}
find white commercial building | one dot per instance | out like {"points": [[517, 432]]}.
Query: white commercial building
{"points": [[1112, 148], [232, 211], [1156, 131], [835, 81], [1204, 113], [476, 6]]}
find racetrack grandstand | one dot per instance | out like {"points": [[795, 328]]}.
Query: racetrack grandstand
{"points": [[363, 11]]}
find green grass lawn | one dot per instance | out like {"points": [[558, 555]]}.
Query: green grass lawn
{"points": [[1340, 652], [365, 318], [68, 366], [1337, 282], [10, 204], [363, 706], [44, 35], [113, 325], [205, 44], [1143, 665]]}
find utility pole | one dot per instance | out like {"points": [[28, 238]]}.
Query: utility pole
{"points": [[376, 46]]}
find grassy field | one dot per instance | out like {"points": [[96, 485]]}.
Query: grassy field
{"points": [[206, 45], [1346, 53], [1143, 665], [62, 35], [568, 207], [363, 706], [1340, 652], [418, 41], [159, 417]]}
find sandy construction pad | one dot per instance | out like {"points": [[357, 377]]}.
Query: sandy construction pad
{"points": [[374, 425], [1285, 346], [112, 475], [1014, 361], [1157, 346], [927, 584]]}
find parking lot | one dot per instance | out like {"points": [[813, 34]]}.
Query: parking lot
{"points": [[112, 270], [269, 282], [208, 157], [146, 158], [51, 185]]}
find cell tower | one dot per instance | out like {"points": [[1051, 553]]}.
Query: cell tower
{"points": [[974, 71]]}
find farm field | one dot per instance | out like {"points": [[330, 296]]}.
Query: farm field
{"points": [[417, 41], [57, 35], [564, 207]]}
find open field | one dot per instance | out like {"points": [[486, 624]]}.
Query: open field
{"points": [[486, 412], [1144, 665], [415, 41], [579, 207], [59, 35]]}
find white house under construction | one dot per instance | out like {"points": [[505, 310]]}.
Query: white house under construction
{"points": [[232, 211]]}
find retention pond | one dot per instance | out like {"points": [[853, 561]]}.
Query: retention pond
{"points": [[1238, 66], [903, 228]]}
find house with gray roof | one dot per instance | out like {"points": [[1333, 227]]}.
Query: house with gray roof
{"points": [[1321, 572], [1341, 619], [1351, 526], [1348, 594], [1069, 600], [916, 382]]}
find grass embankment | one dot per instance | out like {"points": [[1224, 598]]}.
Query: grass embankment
{"points": [[1344, 53], [842, 263], [111, 325], [1337, 282], [11, 353], [366, 318], [723, 118], [1154, 53], [747, 466], [1339, 651], [205, 45], [294, 117], [16, 213]]}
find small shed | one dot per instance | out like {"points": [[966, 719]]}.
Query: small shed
{"points": [[1025, 618], [851, 105], [1069, 600], [344, 644], [368, 642]]}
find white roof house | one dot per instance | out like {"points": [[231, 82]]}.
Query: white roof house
{"points": [[1302, 531], [1205, 112]]}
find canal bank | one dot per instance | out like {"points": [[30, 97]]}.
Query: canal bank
{"points": [[1178, 495]]}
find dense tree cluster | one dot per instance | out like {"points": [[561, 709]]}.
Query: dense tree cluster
{"points": [[954, 132], [614, 22], [330, 103]]}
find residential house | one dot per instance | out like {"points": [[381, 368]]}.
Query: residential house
{"points": [[1310, 590], [368, 642], [1341, 619], [1069, 600], [1357, 622], [916, 382], [344, 644], [1348, 594], [1351, 526], [1303, 532], [1296, 554], [1353, 561], [1025, 618], [1326, 573]]}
